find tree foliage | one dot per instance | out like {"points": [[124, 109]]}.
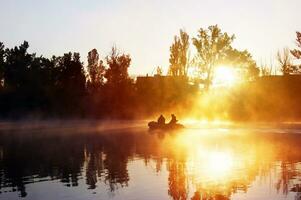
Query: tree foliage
{"points": [[243, 61], [297, 52], [96, 70], [212, 46], [118, 64], [179, 55], [295, 69], [285, 62], [2, 52]]}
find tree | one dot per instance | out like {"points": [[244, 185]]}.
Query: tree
{"points": [[118, 87], [17, 64], [117, 72], [284, 59], [159, 71], [266, 70], [28, 81], [242, 60], [2, 52], [72, 76], [178, 55], [296, 52], [96, 70], [212, 46], [71, 82]]}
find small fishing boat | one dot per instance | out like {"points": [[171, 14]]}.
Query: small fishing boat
{"points": [[156, 126]]}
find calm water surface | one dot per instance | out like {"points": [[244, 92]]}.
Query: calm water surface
{"points": [[124, 161]]}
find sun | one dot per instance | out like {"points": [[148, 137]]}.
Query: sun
{"points": [[224, 76]]}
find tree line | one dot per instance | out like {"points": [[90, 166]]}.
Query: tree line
{"points": [[61, 86], [214, 48]]}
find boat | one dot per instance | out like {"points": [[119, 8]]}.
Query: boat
{"points": [[156, 126]]}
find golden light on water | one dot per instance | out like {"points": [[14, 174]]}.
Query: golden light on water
{"points": [[219, 163], [211, 166], [205, 163], [214, 163]]}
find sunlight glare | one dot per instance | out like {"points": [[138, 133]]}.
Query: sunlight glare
{"points": [[224, 76], [219, 163]]}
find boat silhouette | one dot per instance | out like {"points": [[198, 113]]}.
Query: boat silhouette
{"points": [[153, 125]]}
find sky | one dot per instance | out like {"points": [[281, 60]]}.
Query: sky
{"points": [[145, 28]]}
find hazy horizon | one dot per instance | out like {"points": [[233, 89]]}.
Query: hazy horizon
{"points": [[145, 30]]}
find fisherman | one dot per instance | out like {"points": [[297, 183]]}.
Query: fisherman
{"points": [[161, 120], [173, 119]]}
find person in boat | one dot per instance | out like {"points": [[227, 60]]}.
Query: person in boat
{"points": [[161, 120], [173, 120]]}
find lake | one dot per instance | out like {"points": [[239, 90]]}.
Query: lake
{"points": [[123, 160]]}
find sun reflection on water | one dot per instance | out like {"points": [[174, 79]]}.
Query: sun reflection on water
{"points": [[214, 164]]}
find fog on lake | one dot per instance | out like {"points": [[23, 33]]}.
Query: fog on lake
{"points": [[123, 160]]}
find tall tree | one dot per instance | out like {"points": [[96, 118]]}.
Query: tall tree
{"points": [[297, 52], [179, 55], [212, 46], [96, 70], [2, 52], [71, 82], [285, 61], [72, 76], [117, 72], [17, 64], [118, 87]]}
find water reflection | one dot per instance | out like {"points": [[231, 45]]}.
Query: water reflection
{"points": [[209, 164]]}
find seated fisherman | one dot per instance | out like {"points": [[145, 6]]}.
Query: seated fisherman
{"points": [[173, 119], [161, 120]]}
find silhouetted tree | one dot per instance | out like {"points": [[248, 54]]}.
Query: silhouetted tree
{"points": [[71, 82], [178, 55], [2, 52], [212, 46], [96, 70], [118, 83], [265, 70], [117, 72], [296, 52], [284, 59], [26, 81], [159, 71], [18, 61]]}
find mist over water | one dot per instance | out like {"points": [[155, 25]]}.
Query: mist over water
{"points": [[122, 160]]}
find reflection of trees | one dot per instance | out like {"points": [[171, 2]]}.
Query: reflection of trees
{"points": [[177, 180], [258, 165], [288, 171], [103, 158], [26, 161], [118, 149], [94, 168], [41, 158], [198, 195]]}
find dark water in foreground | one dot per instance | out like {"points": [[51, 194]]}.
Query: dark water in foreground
{"points": [[93, 161]]}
